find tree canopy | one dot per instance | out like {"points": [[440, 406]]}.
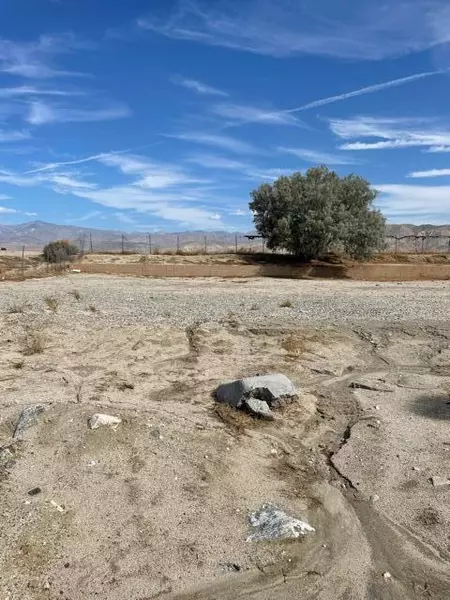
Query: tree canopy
{"points": [[310, 215]]}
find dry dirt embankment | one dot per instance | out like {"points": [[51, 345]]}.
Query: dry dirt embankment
{"points": [[382, 268], [158, 508]]}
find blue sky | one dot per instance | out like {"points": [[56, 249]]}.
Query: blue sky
{"points": [[165, 114]]}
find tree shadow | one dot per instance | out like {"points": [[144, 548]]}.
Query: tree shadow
{"points": [[432, 406]]}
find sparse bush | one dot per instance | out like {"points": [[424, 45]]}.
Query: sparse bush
{"points": [[18, 365], [287, 304], [59, 251], [52, 303], [16, 309], [92, 308], [76, 294], [35, 342]]}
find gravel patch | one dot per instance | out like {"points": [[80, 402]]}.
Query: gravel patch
{"points": [[116, 301]]}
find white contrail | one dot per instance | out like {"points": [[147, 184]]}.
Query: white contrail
{"points": [[56, 165], [365, 90]]}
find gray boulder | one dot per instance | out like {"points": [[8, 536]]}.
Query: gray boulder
{"points": [[270, 389]]}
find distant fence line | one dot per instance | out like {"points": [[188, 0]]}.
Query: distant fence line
{"points": [[232, 243], [156, 244], [418, 244], [235, 243]]}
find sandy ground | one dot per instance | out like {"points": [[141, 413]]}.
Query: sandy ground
{"points": [[159, 507]]}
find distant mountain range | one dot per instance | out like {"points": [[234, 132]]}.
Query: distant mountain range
{"points": [[37, 233]]}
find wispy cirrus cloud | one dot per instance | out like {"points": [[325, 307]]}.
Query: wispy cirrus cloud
{"points": [[14, 136], [356, 30], [164, 190], [36, 59], [380, 133], [198, 87], [25, 90], [315, 156], [41, 113], [430, 173], [210, 161], [4, 210], [240, 114], [223, 142], [414, 203]]}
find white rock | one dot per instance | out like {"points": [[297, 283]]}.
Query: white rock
{"points": [[387, 576], [272, 523], [98, 420], [439, 481]]}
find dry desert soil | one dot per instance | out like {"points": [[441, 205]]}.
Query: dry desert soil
{"points": [[159, 507]]}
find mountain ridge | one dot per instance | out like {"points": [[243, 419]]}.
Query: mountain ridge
{"points": [[35, 234]]}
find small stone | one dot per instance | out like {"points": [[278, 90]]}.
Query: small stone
{"points": [[57, 506], [99, 420], [35, 491], [27, 417], [377, 407], [416, 469], [259, 408], [387, 576], [439, 481], [374, 498], [273, 451]]}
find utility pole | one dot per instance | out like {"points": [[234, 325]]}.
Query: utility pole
{"points": [[235, 242], [149, 243], [23, 262], [205, 245], [178, 243], [90, 243], [123, 244]]}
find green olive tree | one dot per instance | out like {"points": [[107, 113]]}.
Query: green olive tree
{"points": [[310, 215]]}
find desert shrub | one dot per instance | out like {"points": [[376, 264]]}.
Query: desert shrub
{"points": [[287, 304], [59, 251], [51, 302], [35, 342]]}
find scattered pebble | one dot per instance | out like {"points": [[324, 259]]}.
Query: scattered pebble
{"points": [[57, 506], [35, 491], [387, 576], [98, 420]]}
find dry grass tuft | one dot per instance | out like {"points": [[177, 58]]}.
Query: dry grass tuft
{"points": [[237, 419], [16, 309], [52, 303], [287, 304], [125, 385], [35, 342], [76, 294], [295, 344], [193, 337], [18, 364], [92, 308]]}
